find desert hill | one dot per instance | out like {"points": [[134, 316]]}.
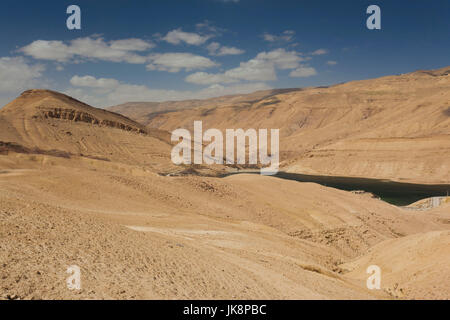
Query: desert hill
{"points": [[43, 121], [136, 234], [394, 127], [144, 112], [424, 255], [40, 104]]}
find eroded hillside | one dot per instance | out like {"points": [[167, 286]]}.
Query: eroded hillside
{"points": [[395, 127]]}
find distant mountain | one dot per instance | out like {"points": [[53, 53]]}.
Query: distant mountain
{"points": [[44, 120], [394, 127], [144, 112]]}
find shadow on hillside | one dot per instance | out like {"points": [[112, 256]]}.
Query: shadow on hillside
{"points": [[447, 112]]}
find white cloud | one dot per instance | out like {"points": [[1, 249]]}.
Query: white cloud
{"points": [[89, 81], [177, 36], [16, 74], [103, 92], [174, 62], [224, 51], [319, 52], [215, 49], [285, 36], [261, 68], [209, 78], [283, 59], [132, 44], [331, 63], [89, 48], [217, 90], [48, 50], [123, 50], [303, 72], [208, 26], [254, 69]]}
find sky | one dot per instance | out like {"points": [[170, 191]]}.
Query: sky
{"points": [[193, 49]]}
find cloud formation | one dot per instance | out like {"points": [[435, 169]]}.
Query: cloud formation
{"points": [[174, 62], [319, 52], [123, 50], [89, 48], [17, 74], [178, 36], [248, 75], [215, 49], [285, 36], [303, 72], [261, 68], [102, 92], [92, 82], [208, 26]]}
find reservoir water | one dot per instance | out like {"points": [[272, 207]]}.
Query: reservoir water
{"points": [[396, 193]]}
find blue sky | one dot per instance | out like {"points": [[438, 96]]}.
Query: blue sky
{"points": [[172, 50]]}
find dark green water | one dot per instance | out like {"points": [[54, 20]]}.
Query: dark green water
{"points": [[396, 193]]}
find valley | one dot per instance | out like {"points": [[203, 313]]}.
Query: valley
{"points": [[97, 189]]}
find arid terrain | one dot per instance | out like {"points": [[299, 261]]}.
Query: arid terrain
{"points": [[93, 188], [395, 127]]}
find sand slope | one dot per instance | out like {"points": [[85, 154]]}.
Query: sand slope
{"points": [[416, 266], [139, 235]]}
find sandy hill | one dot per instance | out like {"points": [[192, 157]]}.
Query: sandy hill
{"points": [[424, 255], [144, 112], [394, 127], [44, 121], [136, 234]]}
